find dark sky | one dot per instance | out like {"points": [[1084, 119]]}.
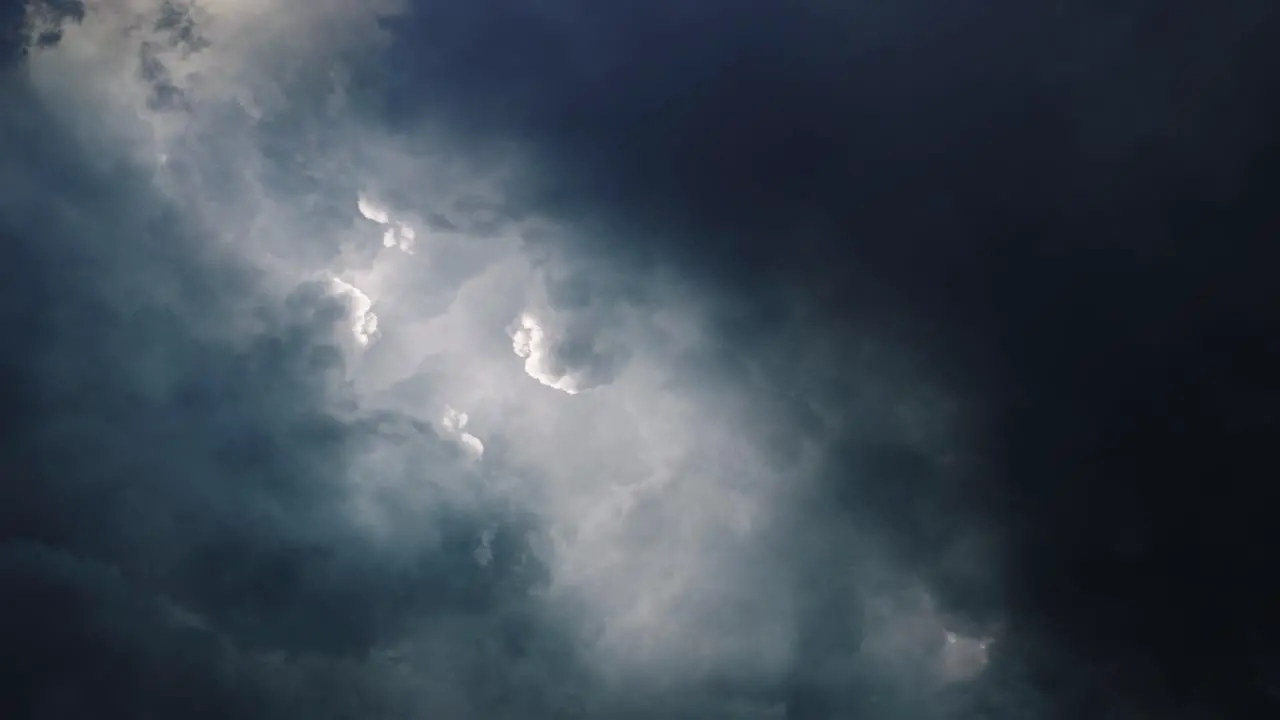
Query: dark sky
{"points": [[578, 359]]}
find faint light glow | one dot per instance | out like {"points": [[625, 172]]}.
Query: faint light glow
{"points": [[963, 658], [483, 553]]}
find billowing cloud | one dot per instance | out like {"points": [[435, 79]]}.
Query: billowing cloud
{"points": [[296, 281], [395, 234], [529, 340], [373, 211], [363, 322], [456, 422]]}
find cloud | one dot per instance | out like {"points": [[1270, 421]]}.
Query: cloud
{"points": [[269, 534], [455, 422], [372, 211], [841, 430], [395, 235], [545, 361], [353, 543], [364, 323], [108, 635], [1033, 213]]}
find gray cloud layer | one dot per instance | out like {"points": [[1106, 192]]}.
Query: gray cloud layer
{"points": [[629, 360]]}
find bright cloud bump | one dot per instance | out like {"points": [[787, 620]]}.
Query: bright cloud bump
{"points": [[397, 234], [364, 323], [529, 340], [455, 423]]}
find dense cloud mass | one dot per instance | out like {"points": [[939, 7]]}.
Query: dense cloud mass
{"points": [[566, 359]]}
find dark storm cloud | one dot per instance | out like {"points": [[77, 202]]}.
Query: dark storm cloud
{"points": [[17, 23], [183, 460], [82, 642], [1054, 210], [1063, 206]]}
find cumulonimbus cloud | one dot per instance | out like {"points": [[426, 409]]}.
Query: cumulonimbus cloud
{"points": [[627, 534]]}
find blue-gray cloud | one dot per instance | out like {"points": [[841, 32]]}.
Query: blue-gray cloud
{"points": [[795, 360]]}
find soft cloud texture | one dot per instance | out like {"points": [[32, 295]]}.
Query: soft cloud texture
{"points": [[394, 235], [390, 359], [364, 324]]}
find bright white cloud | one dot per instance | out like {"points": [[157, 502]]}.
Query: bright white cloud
{"points": [[363, 322], [396, 233], [405, 235], [401, 236], [574, 350], [529, 340], [373, 211], [454, 420], [455, 424]]}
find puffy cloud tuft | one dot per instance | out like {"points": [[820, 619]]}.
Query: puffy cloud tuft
{"points": [[454, 423], [571, 360], [396, 233], [371, 210], [362, 321]]}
